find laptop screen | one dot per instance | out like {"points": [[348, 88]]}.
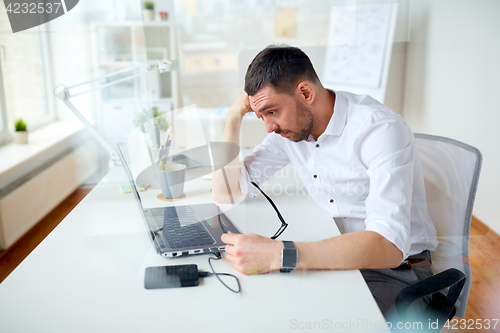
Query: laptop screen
{"points": [[134, 190], [180, 229]]}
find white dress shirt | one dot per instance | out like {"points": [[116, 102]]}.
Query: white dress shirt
{"points": [[363, 170]]}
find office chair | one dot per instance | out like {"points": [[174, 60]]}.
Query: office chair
{"points": [[451, 172]]}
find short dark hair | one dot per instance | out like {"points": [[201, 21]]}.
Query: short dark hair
{"points": [[280, 67]]}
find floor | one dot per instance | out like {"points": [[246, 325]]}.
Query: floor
{"points": [[484, 297]]}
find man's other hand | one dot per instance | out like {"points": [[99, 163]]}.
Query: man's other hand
{"points": [[240, 107], [251, 253]]}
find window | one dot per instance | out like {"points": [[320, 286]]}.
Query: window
{"points": [[24, 76], [4, 132], [212, 34]]}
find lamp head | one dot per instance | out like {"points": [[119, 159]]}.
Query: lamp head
{"points": [[61, 92], [167, 66]]}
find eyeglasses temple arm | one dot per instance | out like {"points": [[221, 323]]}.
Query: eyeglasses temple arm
{"points": [[271, 202]]}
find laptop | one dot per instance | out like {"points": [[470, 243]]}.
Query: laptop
{"points": [[182, 229]]}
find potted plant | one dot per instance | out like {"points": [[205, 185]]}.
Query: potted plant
{"points": [[21, 133], [148, 13], [152, 122]]}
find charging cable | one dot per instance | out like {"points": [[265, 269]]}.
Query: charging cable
{"points": [[218, 256]]}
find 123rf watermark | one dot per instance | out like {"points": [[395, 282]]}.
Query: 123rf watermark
{"points": [[366, 325]]}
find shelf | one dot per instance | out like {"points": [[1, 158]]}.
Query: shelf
{"points": [[134, 24], [133, 41]]}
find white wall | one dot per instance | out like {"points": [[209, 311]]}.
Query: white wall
{"points": [[452, 83]]}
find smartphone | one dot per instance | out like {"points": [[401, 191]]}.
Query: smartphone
{"points": [[174, 276]]}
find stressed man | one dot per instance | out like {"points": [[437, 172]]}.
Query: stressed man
{"points": [[356, 158]]}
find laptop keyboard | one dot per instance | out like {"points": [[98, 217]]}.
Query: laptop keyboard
{"points": [[180, 228]]}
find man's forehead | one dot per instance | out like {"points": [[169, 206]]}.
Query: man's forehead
{"points": [[261, 98]]}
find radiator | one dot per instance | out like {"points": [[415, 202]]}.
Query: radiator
{"points": [[26, 202]]}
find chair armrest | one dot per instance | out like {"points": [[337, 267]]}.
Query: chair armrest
{"points": [[451, 278]]}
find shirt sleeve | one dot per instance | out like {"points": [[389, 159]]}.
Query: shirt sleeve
{"points": [[265, 160], [386, 148]]}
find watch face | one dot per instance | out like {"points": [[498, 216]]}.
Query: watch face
{"points": [[289, 258]]}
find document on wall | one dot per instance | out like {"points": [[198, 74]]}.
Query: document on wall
{"points": [[357, 43]]}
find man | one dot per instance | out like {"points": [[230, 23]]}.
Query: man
{"points": [[356, 158]]}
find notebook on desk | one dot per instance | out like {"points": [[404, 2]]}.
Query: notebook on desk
{"points": [[182, 229]]}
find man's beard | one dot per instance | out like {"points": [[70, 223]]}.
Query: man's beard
{"points": [[304, 118]]}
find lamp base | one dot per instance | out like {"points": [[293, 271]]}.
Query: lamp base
{"points": [[161, 198]]}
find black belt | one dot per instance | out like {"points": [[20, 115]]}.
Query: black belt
{"points": [[421, 260]]}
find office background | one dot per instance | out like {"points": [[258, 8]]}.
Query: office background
{"points": [[443, 79]]}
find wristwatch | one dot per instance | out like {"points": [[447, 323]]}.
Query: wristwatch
{"points": [[289, 255]]}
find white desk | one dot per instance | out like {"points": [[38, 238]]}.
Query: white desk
{"points": [[87, 276]]}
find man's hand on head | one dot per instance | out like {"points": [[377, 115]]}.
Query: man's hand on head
{"points": [[240, 107], [251, 253]]}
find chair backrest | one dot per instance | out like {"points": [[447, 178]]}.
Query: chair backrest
{"points": [[451, 173]]}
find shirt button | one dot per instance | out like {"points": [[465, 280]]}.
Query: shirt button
{"points": [[331, 200], [315, 176], [317, 145]]}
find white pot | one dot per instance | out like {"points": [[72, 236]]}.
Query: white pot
{"points": [[21, 137], [148, 14]]}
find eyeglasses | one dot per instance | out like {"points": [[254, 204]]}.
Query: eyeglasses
{"points": [[283, 223]]}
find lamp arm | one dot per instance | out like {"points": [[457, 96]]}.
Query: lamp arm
{"points": [[62, 92], [128, 69], [108, 84], [63, 96]]}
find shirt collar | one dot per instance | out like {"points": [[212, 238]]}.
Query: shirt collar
{"points": [[337, 121]]}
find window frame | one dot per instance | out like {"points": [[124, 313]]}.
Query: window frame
{"points": [[5, 135], [47, 71], [43, 120]]}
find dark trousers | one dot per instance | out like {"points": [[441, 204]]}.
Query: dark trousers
{"points": [[385, 284]]}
